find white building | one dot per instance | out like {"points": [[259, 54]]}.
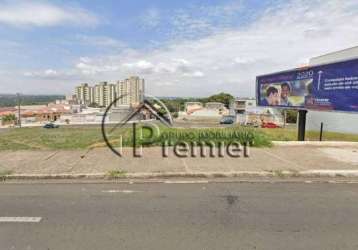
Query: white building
{"points": [[85, 94], [334, 121], [195, 110], [240, 105], [131, 91], [103, 94]]}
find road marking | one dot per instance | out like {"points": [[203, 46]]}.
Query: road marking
{"points": [[185, 182], [121, 191], [21, 219]]}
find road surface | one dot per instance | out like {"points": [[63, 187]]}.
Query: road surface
{"points": [[179, 216]]}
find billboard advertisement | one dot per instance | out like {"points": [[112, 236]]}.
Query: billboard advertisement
{"points": [[324, 87]]}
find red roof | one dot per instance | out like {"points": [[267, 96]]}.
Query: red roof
{"points": [[2, 109], [3, 113]]}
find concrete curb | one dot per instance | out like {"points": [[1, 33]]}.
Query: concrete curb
{"points": [[238, 174], [316, 143]]}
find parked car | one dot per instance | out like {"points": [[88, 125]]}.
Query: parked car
{"points": [[51, 125], [228, 119], [269, 125]]}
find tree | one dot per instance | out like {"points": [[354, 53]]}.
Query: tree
{"points": [[10, 118], [224, 98], [291, 116]]}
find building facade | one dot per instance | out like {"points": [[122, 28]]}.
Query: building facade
{"points": [[240, 105], [85, 94], [130, 91]]}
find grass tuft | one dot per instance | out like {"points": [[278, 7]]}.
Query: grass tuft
{"points": [[4, 174], [116, 174]]}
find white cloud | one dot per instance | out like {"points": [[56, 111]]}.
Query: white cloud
{"points": [[87, 67], [151, 18], [142, 67], [163, 84], [100, 41], [41, 74], [282, 38], [26, 13], [194, 74], [201, 20], [51, 74]]}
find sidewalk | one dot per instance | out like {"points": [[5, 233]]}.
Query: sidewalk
{"points": [[280, 160]]}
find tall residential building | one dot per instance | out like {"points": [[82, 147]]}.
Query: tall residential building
{"points": [[103, 94], [110, 90], [85, 94], [121, 93], [131, 90]]}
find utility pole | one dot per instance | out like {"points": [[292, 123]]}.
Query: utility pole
{"points": [[19, 109]]}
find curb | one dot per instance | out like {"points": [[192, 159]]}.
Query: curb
{"points": [[167, 175], [316, 143]]}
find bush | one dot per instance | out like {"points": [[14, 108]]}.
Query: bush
{"points": [[291, 116]]}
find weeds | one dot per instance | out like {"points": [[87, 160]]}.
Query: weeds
{"points": [[116, 174], [4, 174]]}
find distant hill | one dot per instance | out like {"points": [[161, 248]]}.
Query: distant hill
{"points": [[10, 100]]}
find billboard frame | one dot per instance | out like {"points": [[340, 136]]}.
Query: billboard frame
{"points": [[302, 111], [299, 69]]}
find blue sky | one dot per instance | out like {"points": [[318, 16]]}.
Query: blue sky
{"points": [[181, 48]]}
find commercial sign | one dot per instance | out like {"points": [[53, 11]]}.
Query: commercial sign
{"points": [[324, 87]]}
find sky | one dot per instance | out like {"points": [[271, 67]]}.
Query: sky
{"points": [[181, 48]]}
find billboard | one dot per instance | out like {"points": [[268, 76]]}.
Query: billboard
{"points": [[325, 87]]}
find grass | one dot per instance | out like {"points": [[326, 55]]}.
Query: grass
{"points": [[278, 173], [44, 139], [248, 136], [116, 174], [290, 134], [4, 174], [87, 137]]}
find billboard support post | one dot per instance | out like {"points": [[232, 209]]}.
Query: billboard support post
{"points": [[321, 132], [301, 125]]}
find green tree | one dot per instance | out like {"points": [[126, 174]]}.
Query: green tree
{"points": [[222, 97], [291, 116], [9, 118]]}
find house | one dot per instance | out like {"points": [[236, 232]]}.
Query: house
{"points": [[240, 105]]}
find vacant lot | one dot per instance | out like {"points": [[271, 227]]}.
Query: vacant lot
{"points": [[85, 137]]}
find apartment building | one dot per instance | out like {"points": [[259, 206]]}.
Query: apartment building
{"points": [[104, 93], [130, 90], [85, 94]]}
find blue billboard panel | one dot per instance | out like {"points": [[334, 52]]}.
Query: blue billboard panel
{"points": [[325, 87]]}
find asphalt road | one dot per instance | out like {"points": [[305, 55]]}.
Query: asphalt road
{"points": [[180, 216]]}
